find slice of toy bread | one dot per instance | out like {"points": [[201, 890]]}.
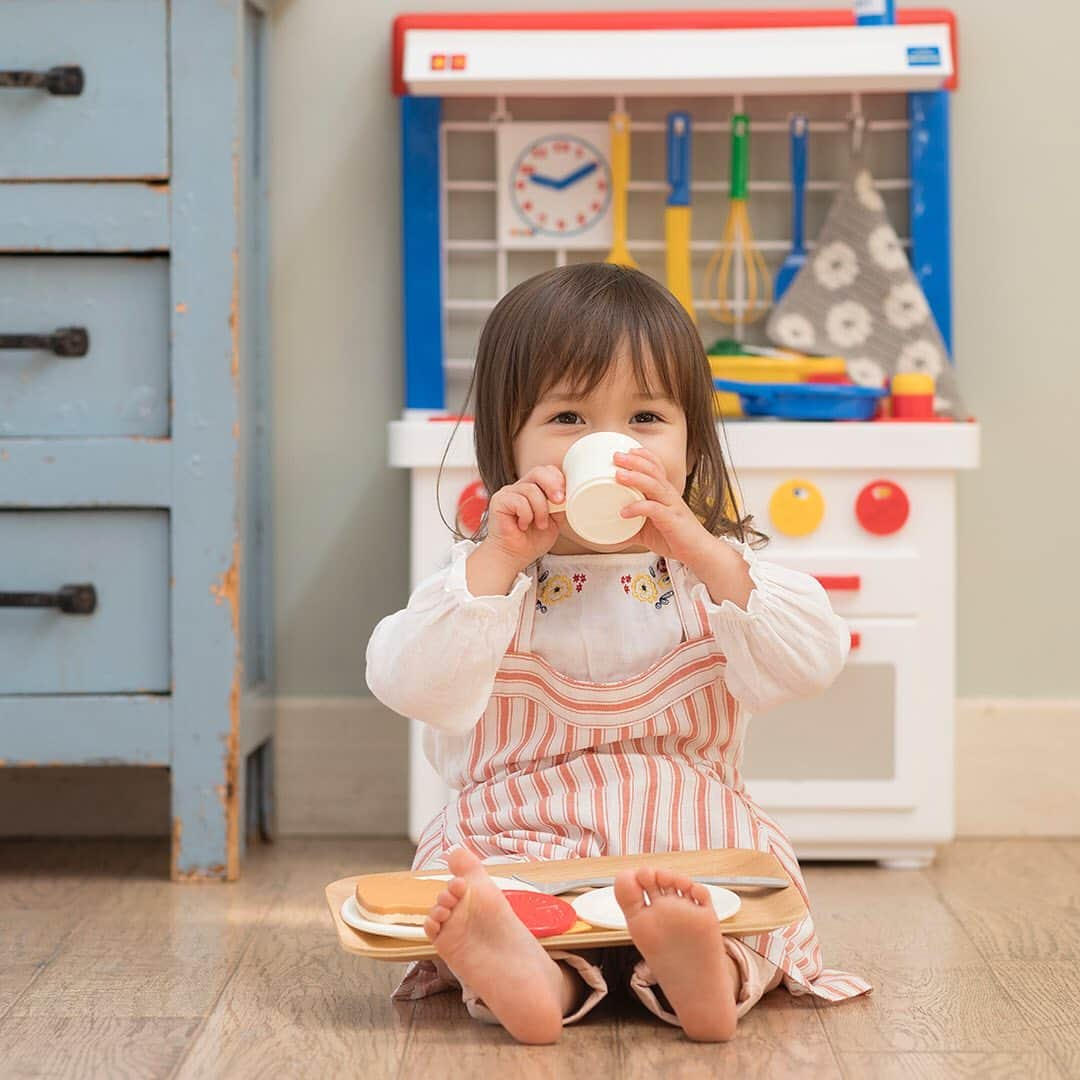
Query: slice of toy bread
{"points": [[404, 900]]}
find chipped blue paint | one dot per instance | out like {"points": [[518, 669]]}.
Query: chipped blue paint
{"points": [[86, 730], [84, 217], [121, 386], [118, 126], [208, 50]]}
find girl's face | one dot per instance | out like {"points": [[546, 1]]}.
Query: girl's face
{"points": [[562, 416]]}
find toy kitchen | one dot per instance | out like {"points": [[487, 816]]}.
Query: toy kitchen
{"points": [[786, 175]]}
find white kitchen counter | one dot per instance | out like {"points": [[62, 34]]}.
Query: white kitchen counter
{"points": [[753, 444]]}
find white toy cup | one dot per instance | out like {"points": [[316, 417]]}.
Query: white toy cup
{"points": [[593, 496]]}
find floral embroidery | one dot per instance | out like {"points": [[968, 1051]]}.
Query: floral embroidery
{"points": [[554, 589], [579, 581], [651, 588]]}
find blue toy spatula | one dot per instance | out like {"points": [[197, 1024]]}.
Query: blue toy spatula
{"points": [[796, 257]]}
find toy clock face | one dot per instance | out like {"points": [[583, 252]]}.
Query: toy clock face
{"points": [[554, 186]]}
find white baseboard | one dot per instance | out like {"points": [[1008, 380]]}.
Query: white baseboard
{"points": [[1017, 764], [342, 767]]}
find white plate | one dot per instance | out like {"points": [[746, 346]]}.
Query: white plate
{"points": [[599, 908], [350, 913]]}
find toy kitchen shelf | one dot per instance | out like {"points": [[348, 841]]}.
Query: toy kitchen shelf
{"points": [[866, 770]]}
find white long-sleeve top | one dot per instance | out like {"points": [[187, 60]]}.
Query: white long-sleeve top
{"points": [[599, 618]]}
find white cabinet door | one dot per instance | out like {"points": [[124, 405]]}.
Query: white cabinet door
{"points": [[852, 747]]}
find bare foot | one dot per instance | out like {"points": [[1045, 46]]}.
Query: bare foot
{"points": [[678, 934], [488, 948]]}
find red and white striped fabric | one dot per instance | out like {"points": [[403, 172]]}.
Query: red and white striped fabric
{"points": [[560, 769]]}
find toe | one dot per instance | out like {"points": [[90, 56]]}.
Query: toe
{"points": [[646, 879], [439, 914], [665, 882], [462, 861], [628, 893], [431, 928], [458, 888], [682, 884], [699, 894], [447, 900]]}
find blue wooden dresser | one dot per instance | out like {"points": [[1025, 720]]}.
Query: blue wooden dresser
{"points": [[134, 403]]}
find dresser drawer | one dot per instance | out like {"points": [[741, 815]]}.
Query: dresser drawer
{"points": [[117, 125], [123, 646], [859, 582], [121, 385]]}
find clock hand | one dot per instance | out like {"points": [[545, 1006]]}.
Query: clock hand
{"points": [[577, 175], [544, 181]]}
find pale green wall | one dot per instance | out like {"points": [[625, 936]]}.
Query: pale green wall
{"points": [[341, 515]]}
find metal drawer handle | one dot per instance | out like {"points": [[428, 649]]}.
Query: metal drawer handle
{"points": [[66, 81], [839, 582], [67, 341], [71, 599]]}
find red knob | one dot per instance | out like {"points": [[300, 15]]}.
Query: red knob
{"points": [[471, 505], [882, 507], [856, 639]]}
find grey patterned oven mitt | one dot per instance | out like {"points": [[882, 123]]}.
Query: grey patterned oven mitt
{"points": [[857, 297]]}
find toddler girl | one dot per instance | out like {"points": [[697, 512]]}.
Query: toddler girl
{"points": [[593, 701]]}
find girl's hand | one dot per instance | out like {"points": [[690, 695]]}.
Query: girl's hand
{"points": [[670, 528], [519, 526]]}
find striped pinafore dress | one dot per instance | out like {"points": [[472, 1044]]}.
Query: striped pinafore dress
{"points": [[558, 768]]}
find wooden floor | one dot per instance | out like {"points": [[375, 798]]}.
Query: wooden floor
{"points": [[108, 970]]}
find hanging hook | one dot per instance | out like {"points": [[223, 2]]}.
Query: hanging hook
{"points": [[858, 133]]}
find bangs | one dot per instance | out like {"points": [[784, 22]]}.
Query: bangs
{"points": [[583, 334]]}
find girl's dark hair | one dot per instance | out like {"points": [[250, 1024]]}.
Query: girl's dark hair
{"points": [[570, 324]]}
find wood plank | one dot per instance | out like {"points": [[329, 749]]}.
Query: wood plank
{"points": [[89, 216], [82, 1046], [1046, 991], [868, 915], [128, 471], [1063, 1045], [298, 1005], [762, 909], [92, 729], [46, 888], [1015, 898], [149, 949], [446, 1042], [781, 1036], [932, 989], [1032, 1065]]}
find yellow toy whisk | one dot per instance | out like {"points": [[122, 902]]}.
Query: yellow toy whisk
{"points": [[736, 275]]}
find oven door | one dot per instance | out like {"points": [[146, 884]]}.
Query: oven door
{"points": [[850, 748]]}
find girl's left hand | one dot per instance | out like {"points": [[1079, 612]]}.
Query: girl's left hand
{"points": [[670, 528]]}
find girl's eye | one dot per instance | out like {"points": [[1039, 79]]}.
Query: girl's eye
{"points": [[645, 418], [566, 418]]}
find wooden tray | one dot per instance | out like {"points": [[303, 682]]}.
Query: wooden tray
{"points": [[762, 909]]}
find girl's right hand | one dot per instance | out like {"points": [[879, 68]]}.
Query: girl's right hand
{"points": [[519, 525]]}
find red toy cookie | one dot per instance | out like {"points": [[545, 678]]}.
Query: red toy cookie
{"points": [[544, 916]]}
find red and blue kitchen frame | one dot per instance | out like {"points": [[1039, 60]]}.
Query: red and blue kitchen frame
{"points": [[422, 285]]}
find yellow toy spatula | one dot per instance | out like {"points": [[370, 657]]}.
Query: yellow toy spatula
{"points": [[620, 177]]}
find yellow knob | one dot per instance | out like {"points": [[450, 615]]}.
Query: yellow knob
{"points": [[797, 507]]}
